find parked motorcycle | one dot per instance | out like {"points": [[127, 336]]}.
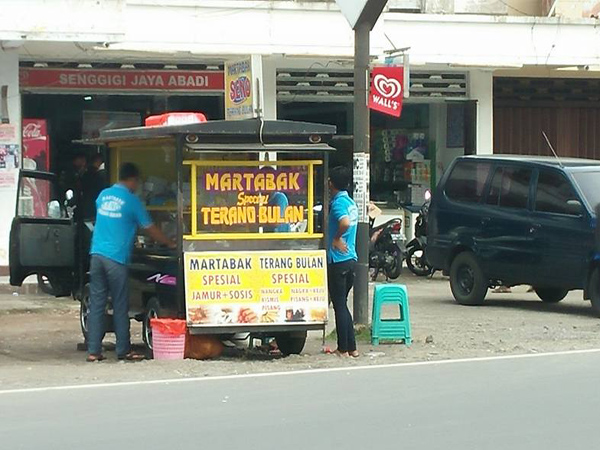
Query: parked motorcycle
{"points": [[415, 249], [385, 250]]}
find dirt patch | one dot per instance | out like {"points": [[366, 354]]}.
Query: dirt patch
{"points": [[39, 337]]}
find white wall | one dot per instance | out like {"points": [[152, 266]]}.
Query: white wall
{"points": [[481, 89], [64, 20], [182, 29], [488, 41], [9, 75]]}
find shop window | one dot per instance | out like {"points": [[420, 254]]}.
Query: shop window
{"points": [[467, 181], [158, 187], [510, 188], [553, 193]]}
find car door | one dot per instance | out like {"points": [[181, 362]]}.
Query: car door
{"points": [[506, 246], [42, 238], [455, 212], [561, 230]]}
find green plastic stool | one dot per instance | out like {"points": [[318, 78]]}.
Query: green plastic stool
{"points": [[391, 329]]}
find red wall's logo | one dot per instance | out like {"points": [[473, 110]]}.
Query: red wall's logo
{"points": [[386, 90]]}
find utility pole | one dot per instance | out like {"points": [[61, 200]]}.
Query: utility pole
{"points": [[361, 151], [362, 16]]}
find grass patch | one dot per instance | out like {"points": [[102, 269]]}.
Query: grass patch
{"points": [[362, 333]]}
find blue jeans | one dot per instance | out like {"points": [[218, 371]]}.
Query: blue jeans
{"points": [[108, 276], [340, 278]]}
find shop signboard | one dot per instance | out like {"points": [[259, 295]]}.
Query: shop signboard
{"points": [[251, 199], [131, 80], [239, 90], [387, 90], [256, 287]]}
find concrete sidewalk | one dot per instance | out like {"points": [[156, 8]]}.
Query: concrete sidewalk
{"points": [[39, 337]]}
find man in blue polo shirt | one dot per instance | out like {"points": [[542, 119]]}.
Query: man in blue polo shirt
{"points": [[341, 257], [119, 214]]}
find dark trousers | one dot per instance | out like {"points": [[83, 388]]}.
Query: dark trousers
{"points": [[340, 280], [108, 277]]}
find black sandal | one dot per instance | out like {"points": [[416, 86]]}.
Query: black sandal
{"points": [[95, 358], [132, 356]]}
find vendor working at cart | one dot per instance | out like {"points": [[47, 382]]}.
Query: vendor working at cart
{"points": [[119, 214]]}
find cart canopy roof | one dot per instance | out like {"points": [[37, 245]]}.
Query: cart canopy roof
{"points": [[243, 135]]}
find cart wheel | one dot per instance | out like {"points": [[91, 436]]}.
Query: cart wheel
{"points": [[84, 312], [152, 312], [291, 343]]}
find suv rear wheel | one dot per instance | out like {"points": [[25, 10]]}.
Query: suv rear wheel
{"points": [[551, 295], [469, 285], [594, 290]]}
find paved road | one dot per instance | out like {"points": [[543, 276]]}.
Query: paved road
{"points": [[545, 402]]}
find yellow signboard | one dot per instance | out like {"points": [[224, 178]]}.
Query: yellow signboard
{"points": [[239, 90], [255, 288]]}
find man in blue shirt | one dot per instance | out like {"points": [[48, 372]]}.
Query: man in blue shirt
{"points": [[119, 214], [341, 257]]}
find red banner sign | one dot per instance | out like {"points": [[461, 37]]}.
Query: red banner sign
{"points": [[124, 79], [387, 90]]}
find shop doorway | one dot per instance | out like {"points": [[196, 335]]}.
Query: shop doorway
{"points": [[566, 109], [70, 117]]}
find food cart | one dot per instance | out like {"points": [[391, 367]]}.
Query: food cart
{"points": [[240, 198]]}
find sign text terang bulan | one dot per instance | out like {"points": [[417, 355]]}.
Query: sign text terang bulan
{"points": [[261, 196]]}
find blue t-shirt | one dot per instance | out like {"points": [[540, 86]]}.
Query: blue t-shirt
{"points": [[119, 214], [342, 206]]}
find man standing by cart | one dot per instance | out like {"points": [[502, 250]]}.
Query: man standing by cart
{"points": [[342, 257], [119, 214]]}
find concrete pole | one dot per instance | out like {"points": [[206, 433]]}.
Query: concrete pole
{"points": [[361, 169]]}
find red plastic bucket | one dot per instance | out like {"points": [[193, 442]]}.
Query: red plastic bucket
{"points": [[168, 338]]}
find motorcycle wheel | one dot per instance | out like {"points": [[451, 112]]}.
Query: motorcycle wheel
{"points": [[394, 270], [415, 260]]}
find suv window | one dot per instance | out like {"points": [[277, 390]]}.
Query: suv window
{"points": [[510, 187], [553, 193], [467, 180]]}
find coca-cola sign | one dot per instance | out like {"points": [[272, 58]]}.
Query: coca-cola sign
{"points": [[36, 144], [32, 130]]}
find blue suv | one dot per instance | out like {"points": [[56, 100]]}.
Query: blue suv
{"points": [[511, 220]]}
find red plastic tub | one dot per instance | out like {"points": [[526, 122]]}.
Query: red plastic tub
{"points": [[168, 338]]}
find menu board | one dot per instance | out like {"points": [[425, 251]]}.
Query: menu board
{"points": [[246, 199], [255, 288]]}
